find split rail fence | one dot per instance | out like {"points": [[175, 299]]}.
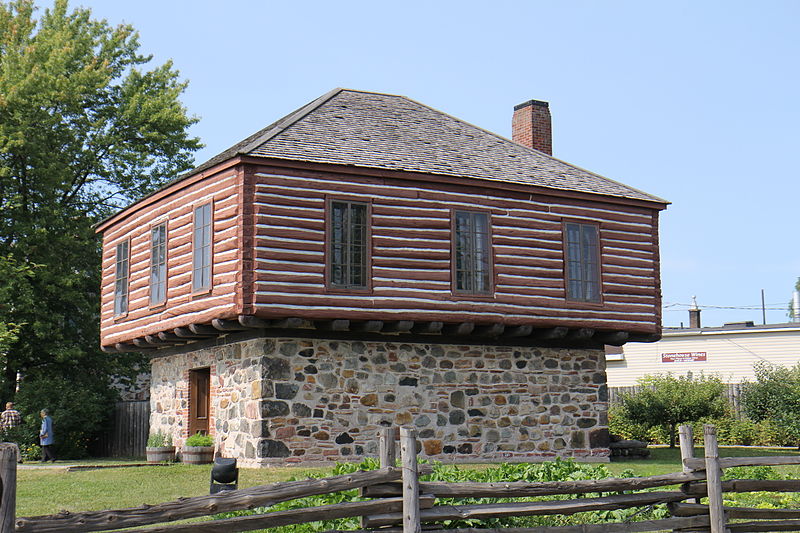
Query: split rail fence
{"points": [[402, 503]]}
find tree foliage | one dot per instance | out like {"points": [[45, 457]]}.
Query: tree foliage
{"points": [[666, 401], [84, 129], [774, 396]]}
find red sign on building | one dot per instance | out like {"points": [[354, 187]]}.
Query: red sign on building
{"points": [[683, 357]]}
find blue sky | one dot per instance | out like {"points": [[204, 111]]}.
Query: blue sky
{"points": [[695, 102]]}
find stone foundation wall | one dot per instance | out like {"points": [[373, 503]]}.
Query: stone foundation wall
{"points": [[298, 400]]}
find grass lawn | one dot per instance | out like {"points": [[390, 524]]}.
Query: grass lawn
{"points": [[47, 491]]}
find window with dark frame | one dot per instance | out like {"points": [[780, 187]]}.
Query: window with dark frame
{"points": [[201, 256], [582, 269], [347, 261], [158, 264], [121, 279], [472, 253]]}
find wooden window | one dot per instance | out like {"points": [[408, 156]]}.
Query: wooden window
{"points": [[472, 253], [158, 264], [347, 263], [199, 400], [201, 256], [121, 279], [582, 265]]}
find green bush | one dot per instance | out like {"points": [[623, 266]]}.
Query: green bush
{"points": [[80, 410], [198, 439], [775, 396], [665, 401], [159, 440]]}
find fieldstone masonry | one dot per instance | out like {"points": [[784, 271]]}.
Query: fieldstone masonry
{"points": [[290, 400]]}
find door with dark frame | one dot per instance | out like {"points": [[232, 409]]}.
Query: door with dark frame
{"points": [[199, 400]]}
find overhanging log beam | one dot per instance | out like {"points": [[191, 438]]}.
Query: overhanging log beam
{"points": [[332, 325], [154, 340], [126, 347], [287, 323], [250, 321], [614, 338], [427, 327], [142, 343], [580, 334], [463, 328], [168, 336], [203, 329], [186, 333], [518, 331], [398, 326], [491, 330], [558, 332], [227, 325], [370, 326]]}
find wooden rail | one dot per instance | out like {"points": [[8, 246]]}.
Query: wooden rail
{"points": [[402, 503]]}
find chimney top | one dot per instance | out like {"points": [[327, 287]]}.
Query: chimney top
{"points": [[694, 315], [539, 103], [531, 126]]}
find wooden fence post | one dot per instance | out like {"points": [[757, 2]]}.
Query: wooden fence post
{"points": [[8, 487], [686, 438], [408, 458], [714, 479], [388, 453]]}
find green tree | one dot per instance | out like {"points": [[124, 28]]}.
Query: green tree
{"points": [[84, 129], [666, 401], [774, 396]]}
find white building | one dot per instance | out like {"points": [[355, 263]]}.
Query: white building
{"points": [[728, 351]]}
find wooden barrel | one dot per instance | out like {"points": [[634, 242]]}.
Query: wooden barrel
{"points": [[197, 455], [160, 454]]}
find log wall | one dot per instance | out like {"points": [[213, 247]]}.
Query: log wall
{"points": [[181, 307], [411, 254]]}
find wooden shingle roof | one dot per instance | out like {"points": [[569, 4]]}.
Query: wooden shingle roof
{"points": [[383, 131]]}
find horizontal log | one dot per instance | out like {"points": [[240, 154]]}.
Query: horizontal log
{"points": [[371, 326], [730, 462], [520, 489], [464, 328], [498, 510], [490, 330], [288, 323], [204, 505], [771, 525], [518, 331], [280, 518], [746, 485], [170, 337], [694, 509], [614, 338], [551, 333], [580, 334], [401, 326], [332, 325], [186, 333], [611, 527]]}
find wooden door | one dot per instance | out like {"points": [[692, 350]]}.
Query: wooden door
{"points": [[199, 400]]}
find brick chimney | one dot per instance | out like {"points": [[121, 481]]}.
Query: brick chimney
{"points": [[530, 126], [694, 314]]}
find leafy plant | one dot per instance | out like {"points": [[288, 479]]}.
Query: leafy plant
{"points": [[775, 396], [666, 401], [198, 439], [159, 440]]}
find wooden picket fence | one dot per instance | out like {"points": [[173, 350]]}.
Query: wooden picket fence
{"points": [[401, 502]]}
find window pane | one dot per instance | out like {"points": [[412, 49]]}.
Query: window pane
{"points": [[472, 252], [201, 256], [582, 268], [348, 245]]}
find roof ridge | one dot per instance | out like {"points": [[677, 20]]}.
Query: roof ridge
{"points": [[287, 121]]}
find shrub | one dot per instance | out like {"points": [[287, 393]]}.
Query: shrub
{"points": [[665, 401], [775, 396], [80, 409], [159, 440], [198, 439]]}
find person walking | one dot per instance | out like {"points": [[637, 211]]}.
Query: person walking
{"points": [[10, 418], [46, 438]]}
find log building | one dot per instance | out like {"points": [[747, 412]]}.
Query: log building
{"points": [[367, 261]]}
